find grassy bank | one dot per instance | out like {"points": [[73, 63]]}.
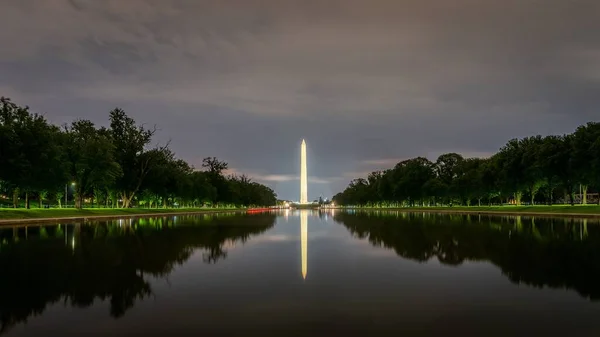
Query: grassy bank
{"points": [[56, 213], [593, 210]]}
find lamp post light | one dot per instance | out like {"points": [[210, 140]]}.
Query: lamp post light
{"points": [[67, 194]]}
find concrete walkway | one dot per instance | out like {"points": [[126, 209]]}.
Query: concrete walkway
{"points": [[474, 212], [30, 221]]}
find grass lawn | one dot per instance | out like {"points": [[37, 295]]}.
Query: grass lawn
{"points": [[11, 213], [555, 209]]}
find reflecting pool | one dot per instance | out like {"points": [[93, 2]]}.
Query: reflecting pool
{"points": [[303, 273]]}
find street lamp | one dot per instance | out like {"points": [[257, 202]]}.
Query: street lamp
{"points": [[67, 194]]}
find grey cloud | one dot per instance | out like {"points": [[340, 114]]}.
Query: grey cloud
{"points": [[78, 4], [115, 57], [360, 80]]}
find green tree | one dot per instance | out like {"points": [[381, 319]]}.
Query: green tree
{"points": [[43, 194], [512, 170], [556, 164], [201, 191], [447, 169], [59, 195], [434, 189], [469, 182], [533, 176], [214, 168], [90, 154], [586, 156], [375, 180], [410, 176], [132, 153], [99, 194], [30, 154], [489, 179]]}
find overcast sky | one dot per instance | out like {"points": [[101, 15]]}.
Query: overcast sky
{"points": [[365, 82]]}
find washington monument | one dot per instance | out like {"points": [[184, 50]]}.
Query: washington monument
{"points": [[303, 180]]}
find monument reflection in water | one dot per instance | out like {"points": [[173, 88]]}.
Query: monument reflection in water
{"points": [[304, 242]]}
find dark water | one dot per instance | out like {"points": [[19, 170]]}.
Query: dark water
{"points": [[303, 274]]}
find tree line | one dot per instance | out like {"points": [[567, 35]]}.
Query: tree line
{"points": [[531, 170], [114, 166]]}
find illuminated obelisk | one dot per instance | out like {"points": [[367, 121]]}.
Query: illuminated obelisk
{"points": [[303, 214], [303, 241], [303, 179]]}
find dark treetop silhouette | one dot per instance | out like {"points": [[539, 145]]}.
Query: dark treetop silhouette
{"points": [[556, 253], [538, 169], [118, 166]]}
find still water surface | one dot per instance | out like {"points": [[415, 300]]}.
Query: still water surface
{"points": [[303, 273]]}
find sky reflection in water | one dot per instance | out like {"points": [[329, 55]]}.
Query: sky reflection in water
{"points": [[372, 273]]}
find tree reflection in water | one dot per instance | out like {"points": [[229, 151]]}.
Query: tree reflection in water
{"points": [[550, 252], [80, 263]]}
